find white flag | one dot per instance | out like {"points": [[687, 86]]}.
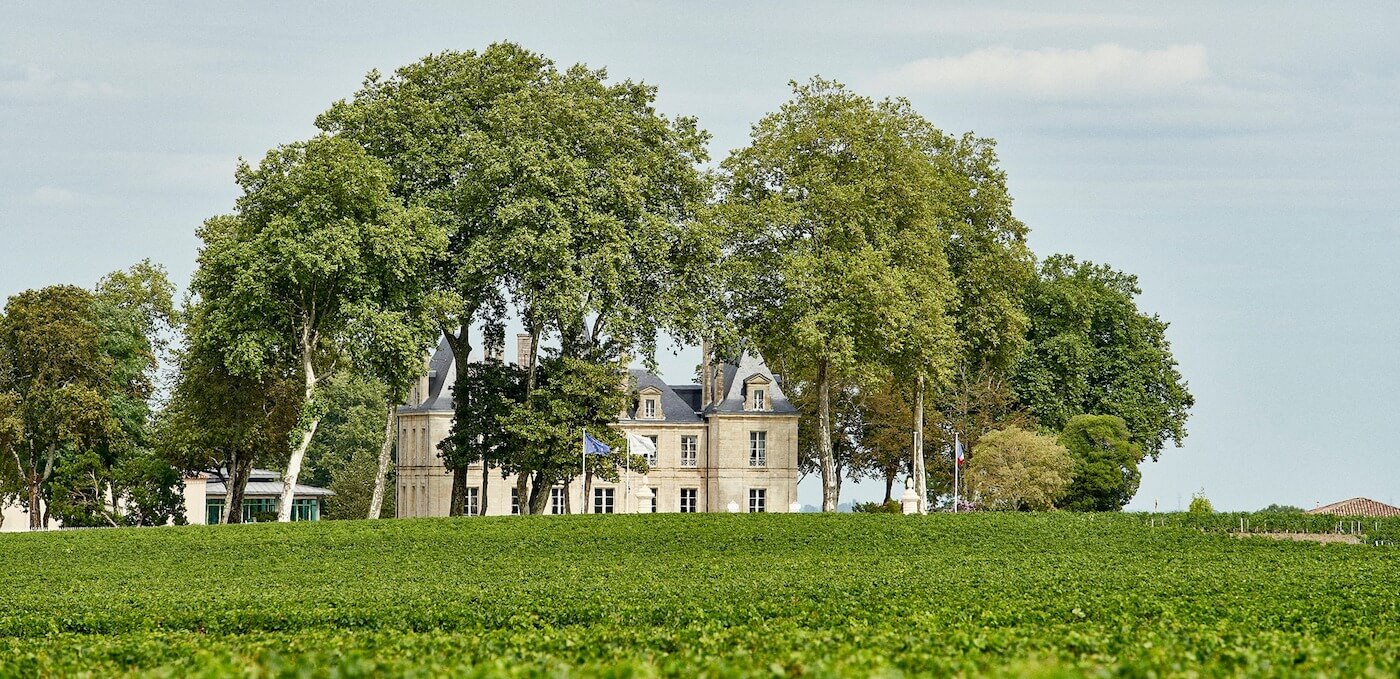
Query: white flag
{"points": [[640, 445]]}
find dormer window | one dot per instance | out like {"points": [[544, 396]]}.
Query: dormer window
{"points": [[649, 404], [756, 392]]}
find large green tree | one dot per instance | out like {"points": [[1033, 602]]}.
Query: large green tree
{"points": [[565, 193], [221, 423], [837, 263], [1092, 351], [1018, 470], [1106, 461], [56, 378], [120, 479], [319, 266], [488, 392]]}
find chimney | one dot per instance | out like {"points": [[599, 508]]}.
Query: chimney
{"points": [[707, 360], [718, 379], [522, 349]]}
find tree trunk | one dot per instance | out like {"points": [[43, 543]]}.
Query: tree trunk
{"points": [[289, 478], [381, 475], [522, 492], [237, 484], [920, 473], [539, 494], [36, 514], [587, 488], [459, 492], [485, 481], [831, 483], [460, 343], [889, 488]]}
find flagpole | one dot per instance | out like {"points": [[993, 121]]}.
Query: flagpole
{"points": [[582, 473]]}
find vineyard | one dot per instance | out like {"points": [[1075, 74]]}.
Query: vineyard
{"points": [[724, 595]]}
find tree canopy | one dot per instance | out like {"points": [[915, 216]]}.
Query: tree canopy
{"points": [[1018, 470], [1093, 352], [1105, 475]]}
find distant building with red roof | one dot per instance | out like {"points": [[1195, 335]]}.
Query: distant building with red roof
{"points": [[1357, 506]]}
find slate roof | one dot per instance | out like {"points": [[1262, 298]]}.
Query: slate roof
{"points": [[674, 407], [1357, 506], [441, 369], [264, 482], [679, 402], [736, 393]]}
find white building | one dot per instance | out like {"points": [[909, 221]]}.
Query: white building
{"points": [[729, 442]]}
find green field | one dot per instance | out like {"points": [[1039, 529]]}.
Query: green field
{"points": [[1037, 594]]}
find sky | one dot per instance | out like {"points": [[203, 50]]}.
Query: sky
{"points": [[1243, 161]]}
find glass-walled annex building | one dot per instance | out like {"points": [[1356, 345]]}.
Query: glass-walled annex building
{"points": [[260, 499]]}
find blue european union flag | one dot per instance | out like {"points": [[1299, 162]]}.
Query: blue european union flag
{"points": [[592, 446]]}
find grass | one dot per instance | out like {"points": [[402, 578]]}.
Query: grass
{"points": [[721, 595]]}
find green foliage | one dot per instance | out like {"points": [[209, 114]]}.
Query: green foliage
{"points": [[573, 395], [889, 507], [320, 266], [1092, 352], [1017, 470], [1282, 509], [344, 454], [485, 393], [1106, 475], [1060, 594], [838, 269], [1200, 504]]}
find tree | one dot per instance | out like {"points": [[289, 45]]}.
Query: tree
{"points": [[487, 394], [119, 479], [344, 456], [1018, 470], [222, 423], [1281, 509], [320, 265], [1106, 461], [1093, 352], [1200, 504], [574, 395], [564, 192], [837, 265], [55, 376]]}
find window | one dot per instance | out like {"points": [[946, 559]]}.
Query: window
{"points": [[689, 446], [306, 509], [689, 498], [758, 500], [557, 500], [213, 511], [471, 504], [515, 501], [651, 455], [253, 508], [602, 500], [758, 449], [654, 493], [759, 401], [649, 408]]}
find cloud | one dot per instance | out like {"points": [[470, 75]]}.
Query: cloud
{"points": [[53, 196], [26, 84], [1103, 71]]}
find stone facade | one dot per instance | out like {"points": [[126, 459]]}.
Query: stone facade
{"points": [[729, 443]]}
